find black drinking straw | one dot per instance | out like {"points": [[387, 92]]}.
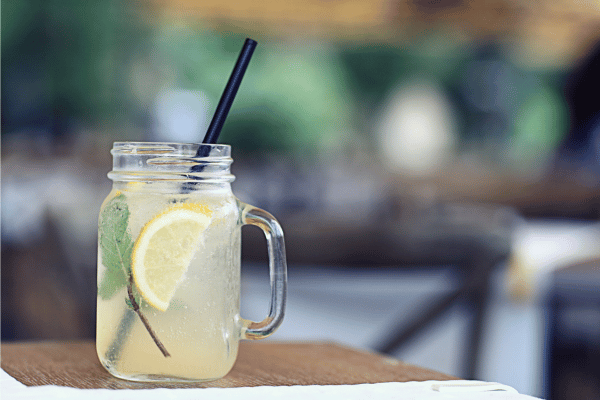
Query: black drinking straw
{"points": [[214, 129]]}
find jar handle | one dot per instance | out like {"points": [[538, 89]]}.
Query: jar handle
{"points": [[277, 270]]}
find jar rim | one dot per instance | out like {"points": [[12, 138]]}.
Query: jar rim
{"points": [[170, 148], [171, 161]]}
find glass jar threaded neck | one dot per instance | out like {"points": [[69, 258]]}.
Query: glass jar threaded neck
{"points": [[158, 161]]}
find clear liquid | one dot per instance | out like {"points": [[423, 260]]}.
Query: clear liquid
{"points": [[201, 327]]}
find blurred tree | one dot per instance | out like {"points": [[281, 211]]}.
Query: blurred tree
{"points": [[376, 69], [63, 62], [293, 97]]}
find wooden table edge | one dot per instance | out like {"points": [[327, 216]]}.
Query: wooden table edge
{"points": [[74, 363]]}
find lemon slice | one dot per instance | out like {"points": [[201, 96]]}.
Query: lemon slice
{"points": [[164, 249]]}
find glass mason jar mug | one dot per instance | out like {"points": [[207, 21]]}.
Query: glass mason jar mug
{"points": [[169, 250]]}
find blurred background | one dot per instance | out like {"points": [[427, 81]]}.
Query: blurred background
{"points": [[434, 165]]}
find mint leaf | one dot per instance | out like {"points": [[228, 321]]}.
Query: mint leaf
{"points": [[112, 281], [116, 246]]}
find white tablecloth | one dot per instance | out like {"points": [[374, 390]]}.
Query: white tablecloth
{"points": [[10, 389]]}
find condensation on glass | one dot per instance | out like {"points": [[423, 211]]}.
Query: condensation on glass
{"points": [[195, 337]]}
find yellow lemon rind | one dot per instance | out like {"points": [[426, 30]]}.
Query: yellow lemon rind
{"points": [[198, 213]]}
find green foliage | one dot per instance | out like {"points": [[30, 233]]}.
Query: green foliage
{"points": [[68, 60], [116, 246], [293, 96], [376, 69]]}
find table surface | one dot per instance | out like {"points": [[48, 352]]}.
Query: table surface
{"points": [[75, 364]]}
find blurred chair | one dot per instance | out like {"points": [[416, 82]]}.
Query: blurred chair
{"points": [[42, 298], [573, 335], [473, 239]]}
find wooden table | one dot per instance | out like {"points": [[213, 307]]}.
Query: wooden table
{"points": [[75, 364]]}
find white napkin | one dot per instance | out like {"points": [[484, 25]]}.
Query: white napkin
{"points": [[10, 389]]}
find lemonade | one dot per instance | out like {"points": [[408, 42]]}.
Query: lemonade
{"points": [[169, 268], [200, 325]]}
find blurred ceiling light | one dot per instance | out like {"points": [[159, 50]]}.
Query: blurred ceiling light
{"points": [[417, 129]]}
